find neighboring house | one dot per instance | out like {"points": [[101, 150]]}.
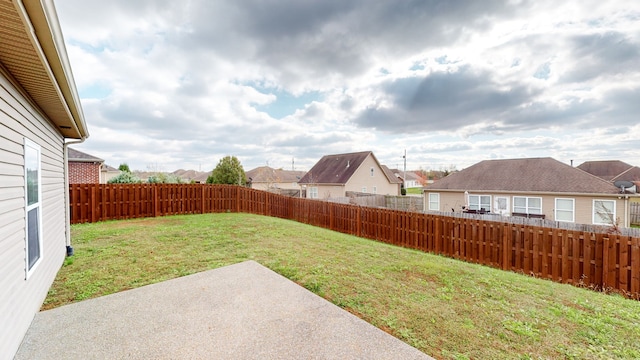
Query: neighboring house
{"points": [[270, 179], [107, 173], [612, 170], [198, 177], [411, 179], [84, 168], [39, 112], [534, 187], [334, 175]]}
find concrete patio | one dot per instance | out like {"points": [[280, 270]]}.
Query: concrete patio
{"points": [[242, 311]]}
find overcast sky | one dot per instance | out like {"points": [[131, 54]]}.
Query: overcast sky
{"points": [[180, 84]]}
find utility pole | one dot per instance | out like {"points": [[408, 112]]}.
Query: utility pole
{"points": [[404, 175]]}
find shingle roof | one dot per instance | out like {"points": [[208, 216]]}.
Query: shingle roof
{"points": [[410, 175], [391, 175], [108, 168], [631, 174], [607, 169], [530, 175], [339, 168], [79, 156], [268, 174]]}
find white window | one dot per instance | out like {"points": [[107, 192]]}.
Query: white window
{"points": [[364, 189], [375, 189], [33, 205], [312, 192], [604, 212], [434, 201], [565, 210], [480, 202], [371, 172], [527, 205]]}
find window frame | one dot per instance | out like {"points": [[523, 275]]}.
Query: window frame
{"points": [[527, 206], [480, 196], [556, 210], [371, 171], [594, 213], [32, 148], [312, 192], [431, 201]]}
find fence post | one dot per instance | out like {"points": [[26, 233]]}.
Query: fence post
{"points": [[202, 202], [359, 221], [331, 215], [93, 204], [505, 246], [237, 198], [155, 200]]}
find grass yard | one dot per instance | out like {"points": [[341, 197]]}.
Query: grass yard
{"points": [[446, 308], [414, 191]]}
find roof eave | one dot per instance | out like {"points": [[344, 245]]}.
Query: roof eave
{"points": [[44, 31], [427, 189]]}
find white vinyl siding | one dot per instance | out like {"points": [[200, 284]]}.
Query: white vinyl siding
{"points": [[24, 297], [565, 210], [604, 212], [434, 201], [527, 205], [479, 202]]}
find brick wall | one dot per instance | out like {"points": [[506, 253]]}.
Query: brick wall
{"points": [[84, 173]]}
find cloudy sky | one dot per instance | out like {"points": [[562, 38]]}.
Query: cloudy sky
{"points": [[180, 84]]}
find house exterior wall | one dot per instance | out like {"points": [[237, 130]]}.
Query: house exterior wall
{"points": [[105, 176], [21, 297], [275, 185], [583, 204], [362, 179], [84, 172], [328, 191]]}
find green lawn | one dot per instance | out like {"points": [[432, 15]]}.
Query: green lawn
{"points": [[446, 308], [414, 191]]}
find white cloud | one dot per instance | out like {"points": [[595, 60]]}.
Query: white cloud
{"points": [[182, 84]]}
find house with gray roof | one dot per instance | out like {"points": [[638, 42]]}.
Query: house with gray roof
{"points": [[269, 179], [83, 168], [531, 187], [333, 175], [612, 170]]}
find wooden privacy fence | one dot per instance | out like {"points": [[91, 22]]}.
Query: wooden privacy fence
{"points": [[582, 258]]}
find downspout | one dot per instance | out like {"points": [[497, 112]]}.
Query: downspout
{"points": [[67, 199], [626, 211]]}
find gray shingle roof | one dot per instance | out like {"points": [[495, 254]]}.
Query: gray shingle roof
{"points": [[79, 156], [612, 170], [268, 174], [607, 169], [339, 168], [528, 175]]}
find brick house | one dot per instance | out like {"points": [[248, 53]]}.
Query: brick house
{"points": [[84, 168]]}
